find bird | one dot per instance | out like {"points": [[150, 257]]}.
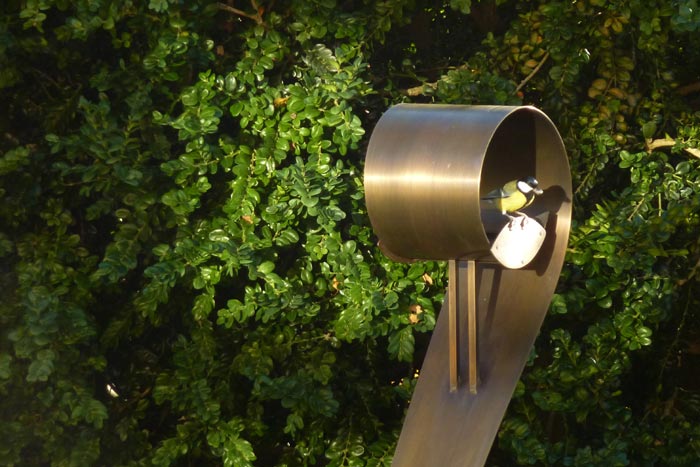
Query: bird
{"points": [[514, 195]]}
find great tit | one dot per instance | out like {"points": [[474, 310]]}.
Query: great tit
{"points": [[514, 195]]}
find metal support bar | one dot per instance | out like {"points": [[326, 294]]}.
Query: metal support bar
{"points": [[471, 323], [453, 304], [453, 300]]}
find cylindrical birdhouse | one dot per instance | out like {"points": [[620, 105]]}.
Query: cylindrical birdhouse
{"points": [[428, 166], [439, 185]]}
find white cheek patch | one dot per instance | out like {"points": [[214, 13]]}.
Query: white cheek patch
{"points": [[524, 187]]}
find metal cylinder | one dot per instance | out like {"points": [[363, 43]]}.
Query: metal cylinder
{"points": [[427, 167]]}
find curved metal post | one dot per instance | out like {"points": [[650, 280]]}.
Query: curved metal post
{"points": [[427, 169]]}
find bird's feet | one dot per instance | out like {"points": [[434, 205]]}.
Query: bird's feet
{"points": [[520, 218]]}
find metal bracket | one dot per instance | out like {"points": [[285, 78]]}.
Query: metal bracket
{"points": [[456, 272]]}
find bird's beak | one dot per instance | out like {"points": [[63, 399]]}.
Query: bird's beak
{"points": [[538, 191]]}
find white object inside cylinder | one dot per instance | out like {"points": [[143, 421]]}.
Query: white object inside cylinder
{"points": [[518, 242]]}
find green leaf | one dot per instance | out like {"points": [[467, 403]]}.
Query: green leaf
{"points": [[463, 6], [230, 82], [14, 159], [649, 129], [158, 5], [218, 235], [402, 343], [227, 443], [287, 237], [391, 299], [266, 267], [203, 305], [5, 362], [95, 413], [238, 453], [41, 367], [294, 423]]}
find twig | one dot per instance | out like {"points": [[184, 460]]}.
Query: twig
{"points": [[532, 73], [257, 17], [672, 348], [583, 182], [636, 208], [692, 274]]}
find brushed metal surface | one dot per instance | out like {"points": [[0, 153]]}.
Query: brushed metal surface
{"points": [[426, 169], [417, 176], [428, 166]]}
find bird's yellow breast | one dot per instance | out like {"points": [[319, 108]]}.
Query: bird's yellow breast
{"points": [[513, 202]]}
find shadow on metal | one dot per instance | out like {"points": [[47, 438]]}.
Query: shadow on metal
{"points": [[427, 168]]}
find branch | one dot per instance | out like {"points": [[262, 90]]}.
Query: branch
{"points": [[532, 73], [418, 90], [689, 89], [655, 144], [257, 17]]}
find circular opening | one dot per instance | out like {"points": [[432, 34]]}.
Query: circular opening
{"points": [[511, 155], [525, 144]]}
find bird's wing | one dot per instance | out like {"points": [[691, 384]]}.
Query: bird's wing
{"points": [[495, 194]]}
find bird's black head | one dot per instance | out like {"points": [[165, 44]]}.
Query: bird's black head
{"points": [[532, 181], [529, 184]]}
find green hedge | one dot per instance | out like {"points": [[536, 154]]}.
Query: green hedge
{"points": [[188, 273]]}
